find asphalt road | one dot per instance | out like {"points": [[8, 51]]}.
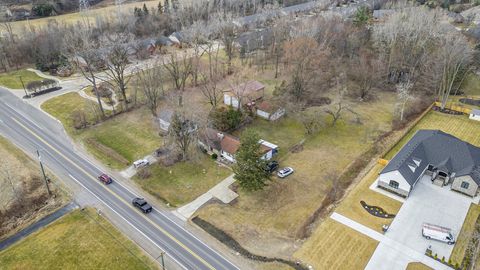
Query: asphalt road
{"points": [[32, 129]]}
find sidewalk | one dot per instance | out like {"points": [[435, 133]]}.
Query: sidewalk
{"points": [[221, 192]]}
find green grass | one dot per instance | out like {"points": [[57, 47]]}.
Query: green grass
{"points": [[461, 245], [336, 246], [12, 79], [184, 181], [471, 85], [351, 207], [456, 125], [129, 135], [80, 240]]}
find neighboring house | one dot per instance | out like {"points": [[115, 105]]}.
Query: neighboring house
{"points": [[244, 94], [475, 115], [436, 154], [165, 118], [270, 110], [226, 146]]}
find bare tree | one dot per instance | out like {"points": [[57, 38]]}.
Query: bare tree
{"points": [[210, 90], [180, 69], [150, 81], [183, 131], [228, 35], [339, 105], [117, 61], [312, 121], [366, 72], [403, 96]]}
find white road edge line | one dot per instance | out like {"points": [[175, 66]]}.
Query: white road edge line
{"points": [[126, 220], [23, 116]]}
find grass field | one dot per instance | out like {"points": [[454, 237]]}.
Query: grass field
{"points": [[184, 181], [12, 79], [459, 126], [279, 211], [80, 240], [336, 246], [471, 85], [465, 234], [126, 137], [417, 266], [351, 207]]}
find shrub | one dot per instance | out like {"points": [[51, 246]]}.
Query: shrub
{"points": [[435, 256], [214, 156], [225, 119], [443, 259], [79, 119]]}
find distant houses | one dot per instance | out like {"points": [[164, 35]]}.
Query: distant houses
{"points": [[226, 146]]}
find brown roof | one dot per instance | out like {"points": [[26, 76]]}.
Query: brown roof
{"points": [[268, 106], [248, 88], [231, 144]]}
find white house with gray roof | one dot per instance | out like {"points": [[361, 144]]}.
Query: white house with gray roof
{"points": [[445, 158], [475, 115]]}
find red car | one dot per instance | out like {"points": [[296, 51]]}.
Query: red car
{"points": [[105, 179]]}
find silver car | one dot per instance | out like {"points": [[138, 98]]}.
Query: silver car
{"points": [[285, 172]]}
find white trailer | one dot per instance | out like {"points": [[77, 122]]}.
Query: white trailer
{"points": [[443, 234]]}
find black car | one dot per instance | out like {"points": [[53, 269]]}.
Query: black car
{"points": [[142, 205], [271, 166]]}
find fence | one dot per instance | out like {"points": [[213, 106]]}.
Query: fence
{"points": [[454, 107]]}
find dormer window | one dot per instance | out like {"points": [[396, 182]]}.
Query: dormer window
{"points": [[417, 161]]}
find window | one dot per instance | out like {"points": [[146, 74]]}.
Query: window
{"points": [[465, 185], [393, 184]]}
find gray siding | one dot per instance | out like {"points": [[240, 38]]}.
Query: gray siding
{"points": [[399, 191], [472, 187]]}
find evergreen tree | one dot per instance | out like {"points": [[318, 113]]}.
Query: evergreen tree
{"points": [[160, 8], [145, 10], [250, 167]]}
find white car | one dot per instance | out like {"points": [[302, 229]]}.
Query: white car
{"points": [[141, 163], [285, 172]]}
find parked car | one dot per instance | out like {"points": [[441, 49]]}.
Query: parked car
{"points": [[285, 172], [140, 163], [104, 178], [271, 166], [439, 233], [141, 204]]}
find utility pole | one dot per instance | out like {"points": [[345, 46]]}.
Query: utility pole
{"points": [[21, 80], [43, 172], [163, 262]]}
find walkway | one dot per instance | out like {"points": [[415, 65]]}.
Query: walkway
{"points": [[37, 225], [389, 254], [221, 192]]}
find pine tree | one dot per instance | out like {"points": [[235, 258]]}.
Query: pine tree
{"points": [[250, 167], [160, 8], [145, 10]]}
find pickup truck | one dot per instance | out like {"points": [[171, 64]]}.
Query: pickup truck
{"points": [[141, 204]]}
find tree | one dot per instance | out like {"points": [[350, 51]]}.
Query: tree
{"points": [[362, 16], [312, 121], [150, 81], [183, 132], [211, 91], [228, 35], [403, 96], [339, 105], [160, 8], [226, 119], [117, 61], [250, 167], [179, 68], [88, 67], [166, 8], [366, 72]]}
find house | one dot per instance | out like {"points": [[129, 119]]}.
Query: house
{"points": [[244, 94], [225, 145], [475, 114], [444, 158], [269, 110], [164, 118]]}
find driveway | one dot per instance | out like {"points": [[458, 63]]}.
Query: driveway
{"points": [[432, 204]]}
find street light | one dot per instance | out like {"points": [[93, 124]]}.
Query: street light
{"points": [[26, 94], [43, 172], [163, 261]]}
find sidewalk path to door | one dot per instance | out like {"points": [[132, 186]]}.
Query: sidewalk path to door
{"points": [[37, 225], [221, 192]]}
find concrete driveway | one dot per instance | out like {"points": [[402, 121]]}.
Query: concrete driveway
{"points": [[432, 204]]}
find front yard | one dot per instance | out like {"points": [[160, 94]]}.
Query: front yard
{"points": [[336, 246], [465, 234], [184, 181], [12, 79], [80, 240]]}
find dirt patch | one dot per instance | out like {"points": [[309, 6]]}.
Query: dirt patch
{"points": [[233, 244]]}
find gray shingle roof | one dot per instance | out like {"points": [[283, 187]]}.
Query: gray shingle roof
{"points": [[439, 149], [476, 112]]}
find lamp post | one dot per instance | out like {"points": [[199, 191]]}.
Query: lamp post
{"points": [[163, 261], [43, 172], [23, 85]]}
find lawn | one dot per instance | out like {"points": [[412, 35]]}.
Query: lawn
{"points": [[457, 125], [12, 79], [80, 240], [464, 235], [351, 207], [417, 266], [184, 181], [279, 212], [471, 85], [336, 246], [116, 141]]}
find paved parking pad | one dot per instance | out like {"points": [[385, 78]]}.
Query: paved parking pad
{"points": [[432, 204]]}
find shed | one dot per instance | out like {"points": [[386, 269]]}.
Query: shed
{"points": [[475, 115], [270, 110], [165, 118], [243, 94]]}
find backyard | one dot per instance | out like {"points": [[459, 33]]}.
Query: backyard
{"points": [[184, 181], [80, 240], [12, 79], [336, 246], [272, 218]]}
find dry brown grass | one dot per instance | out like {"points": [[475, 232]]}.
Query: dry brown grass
{"points": [[269, 220], [417, 266], [336, 246], [464, 236], [351, 207]]}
